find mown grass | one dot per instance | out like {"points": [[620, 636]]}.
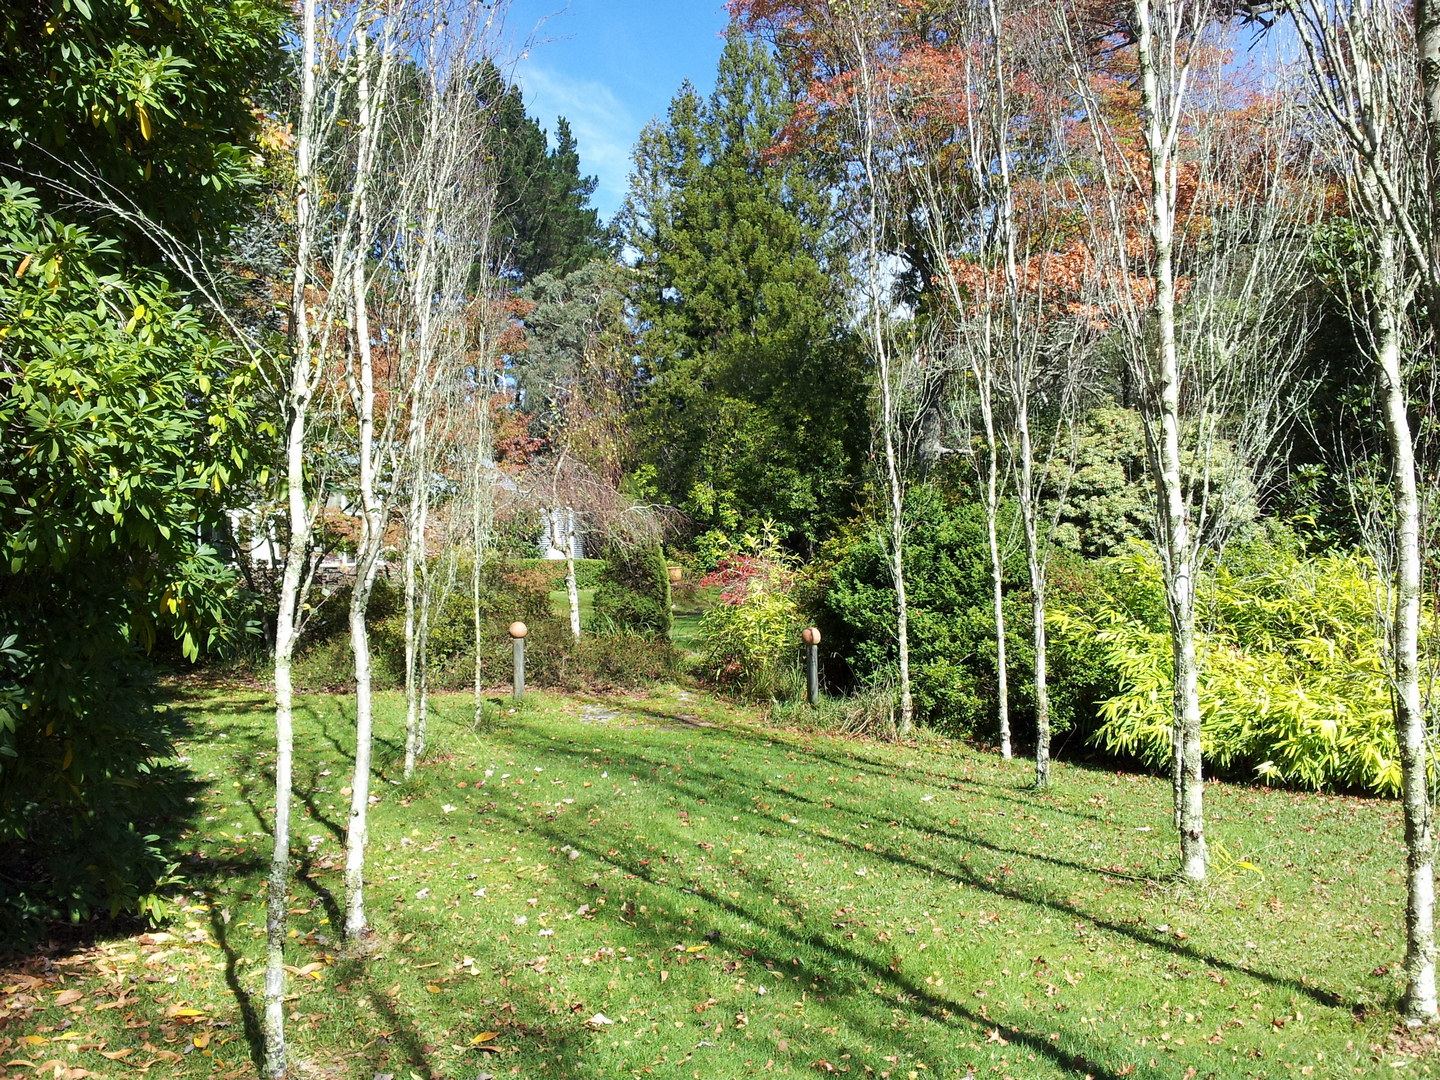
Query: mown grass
{"points": [[660, 886], [690, 604], [560, 604]]}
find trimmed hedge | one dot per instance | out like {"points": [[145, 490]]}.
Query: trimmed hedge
{"points": [[588, 572], [634, 593]]}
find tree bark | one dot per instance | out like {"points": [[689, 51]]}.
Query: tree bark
{"points": [[275, 1049], [372, 514], [1164, 403], [572, 587], [1410, 715], [867, 123], [997, 581]]}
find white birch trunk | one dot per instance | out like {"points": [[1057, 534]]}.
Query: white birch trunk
{"points": [[372, 516], [572, 588], [416, 591], [481, 515], [1411, 729], [1410, 715], [867, 123], [275, 1050], [1159, 135], [984, 381], [1035, 561]]}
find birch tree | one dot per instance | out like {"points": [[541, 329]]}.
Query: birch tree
{"points": [[1374, 81], [1217, 199], [451, 201], [996, 272], [410, 185], [868, 113], [305, 371]]}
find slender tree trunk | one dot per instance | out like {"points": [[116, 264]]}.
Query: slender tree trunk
{"points": [[1176, 547], [1410, 715], [1034, 558], [372, 515], [480, 527], [416, 591], [572, 587], [997, 587], [411, 573], [1420, 994], [275, 1050], [867, 122]]}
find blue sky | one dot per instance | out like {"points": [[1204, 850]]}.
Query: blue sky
{"points": [[609, 66]]}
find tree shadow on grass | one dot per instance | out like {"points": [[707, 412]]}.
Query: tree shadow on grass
{"points": [[220, 929], [1034, 894], [1075, 1051]]}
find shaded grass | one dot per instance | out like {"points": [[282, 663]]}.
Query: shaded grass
{"points": [[742, 901], [690, 603]]}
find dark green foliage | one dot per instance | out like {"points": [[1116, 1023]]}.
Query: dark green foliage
{"points": [[753, 408], [146, 105], [109, 464], [634, 593], [545, 223], [952, 650]]}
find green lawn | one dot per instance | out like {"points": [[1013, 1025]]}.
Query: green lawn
{"points": [[660, 886], [689, 607], [560, 604]]}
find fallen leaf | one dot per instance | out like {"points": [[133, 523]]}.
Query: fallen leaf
{"points": [[484, 1037], [68, 997]]}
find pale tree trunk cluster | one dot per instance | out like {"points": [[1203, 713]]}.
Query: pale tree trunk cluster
{"points": [[1018, 354], [389, 269]]}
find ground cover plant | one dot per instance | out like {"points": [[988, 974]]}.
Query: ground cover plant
{"points": [[662, 886]]}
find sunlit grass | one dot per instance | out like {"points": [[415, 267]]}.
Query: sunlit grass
{"points": [[662, 887]]}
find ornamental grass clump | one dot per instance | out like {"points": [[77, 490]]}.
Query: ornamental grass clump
{"points": [[1293, 685]]}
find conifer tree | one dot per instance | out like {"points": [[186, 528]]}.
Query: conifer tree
{"points": [[749, 409]]}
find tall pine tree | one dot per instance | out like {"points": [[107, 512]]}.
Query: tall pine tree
{"points": [[545, 223], [752, 406]]}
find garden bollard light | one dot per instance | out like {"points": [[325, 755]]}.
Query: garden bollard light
{"points": [[518, 630], [811, 636]]}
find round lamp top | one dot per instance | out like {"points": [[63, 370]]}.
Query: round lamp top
{"points": [[518, 629], [810, 635]]}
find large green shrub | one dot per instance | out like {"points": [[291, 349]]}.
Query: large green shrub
{"points": [[121, 419], [1293, 686], [952, 635], [633, 596]]}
